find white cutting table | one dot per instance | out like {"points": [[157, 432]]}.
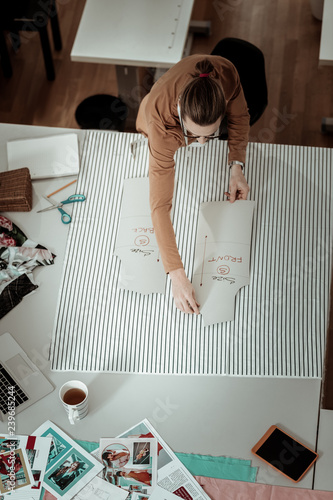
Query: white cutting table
{"points": [[218, 415]]}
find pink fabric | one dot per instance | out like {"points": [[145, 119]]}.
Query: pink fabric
{"points": [[225, 489], [48, 496]]}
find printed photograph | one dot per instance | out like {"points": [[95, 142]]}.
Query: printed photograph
{"points": [[139, 496], [141, 431], [115, 456], [7, 468], [127, 477], [31, 456], [59, 447], [36, 475], [141, 453], [68, 472], [9, 444]]}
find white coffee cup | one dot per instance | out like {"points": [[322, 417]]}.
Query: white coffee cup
{"points": [[74, 397]]}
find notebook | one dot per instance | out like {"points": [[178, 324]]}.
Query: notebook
{"points": [[54, 156], [16, 370]]}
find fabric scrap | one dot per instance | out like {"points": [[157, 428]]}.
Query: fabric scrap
{"points": [[19, 256], [223, 489], [218, 467]]}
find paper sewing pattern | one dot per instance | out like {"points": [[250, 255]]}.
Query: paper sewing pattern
{"points": [[141, 266], [222, 253]]}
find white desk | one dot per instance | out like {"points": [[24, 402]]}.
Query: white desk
{"points": [[326, 52], [326, 40], [146, 33], [218, 415], [141, 33], [323, 477]]}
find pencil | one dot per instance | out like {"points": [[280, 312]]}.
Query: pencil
{"points": [[60, 189]]}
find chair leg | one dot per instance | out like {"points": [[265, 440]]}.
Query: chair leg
{"points": [[44, 38], [15, 40], [5, 61], [55, 25]]}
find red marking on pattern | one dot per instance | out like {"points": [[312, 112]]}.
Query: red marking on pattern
{"points": [[141, 241], [223, 270]]}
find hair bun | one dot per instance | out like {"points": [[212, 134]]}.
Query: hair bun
{"points": [[203, 68]]}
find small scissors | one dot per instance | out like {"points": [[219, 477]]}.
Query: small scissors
{"points": [[65, 217]]}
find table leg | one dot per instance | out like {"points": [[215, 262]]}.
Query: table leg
{"points": [[326, 125], [47, 53], [196, 28], [55, 26], [133, 84], [4, 56]]}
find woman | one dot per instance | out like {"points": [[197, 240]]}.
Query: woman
{"points": [[185, 105], [142, 476]]}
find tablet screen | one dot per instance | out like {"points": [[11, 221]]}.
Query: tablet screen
{"points": [[286, 454]]}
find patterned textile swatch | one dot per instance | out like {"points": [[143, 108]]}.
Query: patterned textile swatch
{"points": [[19, 256]]}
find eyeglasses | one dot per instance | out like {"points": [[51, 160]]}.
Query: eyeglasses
{"points": [[217, 134], [207, 137]]}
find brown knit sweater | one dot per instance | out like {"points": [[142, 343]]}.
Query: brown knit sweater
{"points": [[158, 120]]}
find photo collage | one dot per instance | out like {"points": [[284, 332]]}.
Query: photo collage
{"points": [[130, 463]]}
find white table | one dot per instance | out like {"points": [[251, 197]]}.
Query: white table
{"points": [[326, 40], [326, 51], [323, 476], [144, 33], [218, 415]]}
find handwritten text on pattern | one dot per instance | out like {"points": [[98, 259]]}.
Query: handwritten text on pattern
{"points": [[143, 230], [226, 257], [224, 278]]}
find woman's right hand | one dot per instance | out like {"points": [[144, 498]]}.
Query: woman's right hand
{"points": [[183, 292]]}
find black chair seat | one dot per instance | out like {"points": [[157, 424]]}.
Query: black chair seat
{"points": [[102, 112], [250, 64]]}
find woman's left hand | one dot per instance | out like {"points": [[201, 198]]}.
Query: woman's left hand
{"points": [[238, 187]]}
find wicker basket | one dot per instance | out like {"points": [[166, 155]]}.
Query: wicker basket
{"points": [[15, 191]]}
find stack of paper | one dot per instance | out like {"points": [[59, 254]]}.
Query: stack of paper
{"points": [[54, 156], [23, 461]]}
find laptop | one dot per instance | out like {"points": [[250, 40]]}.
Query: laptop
{"points": [[17, 370]]}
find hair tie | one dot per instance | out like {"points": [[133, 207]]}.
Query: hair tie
{"points": [[202, 75]]}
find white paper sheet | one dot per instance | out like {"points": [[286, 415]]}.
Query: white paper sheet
{"points": [[69, 466], [141, 267], [99, 489], [54, 156], [161, 494], [221, 264]]}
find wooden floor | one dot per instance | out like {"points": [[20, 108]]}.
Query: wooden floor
{"points": [[299, 92]]}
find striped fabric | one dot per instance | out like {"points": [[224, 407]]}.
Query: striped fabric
{"points": [[280, 318]]}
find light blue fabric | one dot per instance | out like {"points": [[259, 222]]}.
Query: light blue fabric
{"points": [[219, 467], [206, 465]]}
